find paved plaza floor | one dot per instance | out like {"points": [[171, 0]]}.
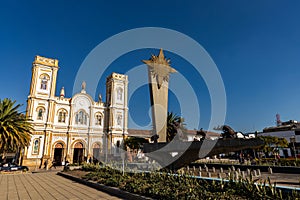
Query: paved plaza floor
{"points": [[46, 185]]}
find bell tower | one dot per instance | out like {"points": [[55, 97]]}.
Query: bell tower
{"points": [[117, 108], [41, 106], [43, 81], [43, 84], [116, 99]]}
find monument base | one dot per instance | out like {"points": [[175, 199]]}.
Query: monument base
{"points": [[188, 152]]}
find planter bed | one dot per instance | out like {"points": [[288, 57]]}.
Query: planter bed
{"points": [[76, 176], [161, 185]]}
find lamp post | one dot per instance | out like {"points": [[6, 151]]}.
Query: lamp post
{"points": [[107, 126], [111, 144], [106, 147], [123, 146], [67, 149]]}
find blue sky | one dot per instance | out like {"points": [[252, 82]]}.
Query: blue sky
{"points": [[255, 45]]}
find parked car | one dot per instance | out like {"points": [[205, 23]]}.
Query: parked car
{"points": [[12, 167]]}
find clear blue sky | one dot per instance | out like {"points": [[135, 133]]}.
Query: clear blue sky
{"points": [[255, 45]]}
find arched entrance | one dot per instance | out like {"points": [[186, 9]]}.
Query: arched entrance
{"points": [[96, 152], [78, 156], [58, 153]]}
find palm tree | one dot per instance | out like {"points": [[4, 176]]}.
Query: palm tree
{"points": [[174, 122], [15, 128]]}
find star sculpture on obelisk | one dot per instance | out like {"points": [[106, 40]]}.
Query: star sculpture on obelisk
{"points": [[159, 70]]}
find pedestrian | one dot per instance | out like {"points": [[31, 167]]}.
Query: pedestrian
{"points": [[45, 164], [241, 158], [53, 164]]}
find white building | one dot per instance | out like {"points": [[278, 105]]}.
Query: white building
{"points": [[77, 128]]}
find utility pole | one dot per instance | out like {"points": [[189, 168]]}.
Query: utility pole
{"points": [[293, 140]]}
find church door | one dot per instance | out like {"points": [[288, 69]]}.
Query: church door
{"points": [[78, 153], [58, 153]]}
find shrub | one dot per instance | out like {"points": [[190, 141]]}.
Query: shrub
{"points": [[164, 185]]}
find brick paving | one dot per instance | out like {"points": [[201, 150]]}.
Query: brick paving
{"points": [[46, 185]]}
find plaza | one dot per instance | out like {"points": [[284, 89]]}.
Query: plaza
{"points": [[46, 185]]}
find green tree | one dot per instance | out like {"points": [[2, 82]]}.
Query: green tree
{"points": [[15, 128], [271, 143], [174, 122], [135, 142]]}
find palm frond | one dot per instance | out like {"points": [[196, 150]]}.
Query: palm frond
{"points": [[15, 128]]}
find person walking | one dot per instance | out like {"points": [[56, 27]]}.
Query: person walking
{"points": [[46, 164], [53, 164]]}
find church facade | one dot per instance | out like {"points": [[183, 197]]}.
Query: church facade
{"points": [[73, 129]]}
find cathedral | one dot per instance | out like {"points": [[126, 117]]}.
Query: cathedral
{"points": [[73, 129]]}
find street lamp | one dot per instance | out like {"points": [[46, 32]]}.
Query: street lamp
{"points": [[123, 148], [67, 149], [106, 147]]}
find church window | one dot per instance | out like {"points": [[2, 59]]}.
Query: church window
{"points": [[81, 118], [36, 145], [119, 120], [119, 94], [118, 146], [44, 81], [62, 114], [97, 150], [40, 113], [98, 119]]}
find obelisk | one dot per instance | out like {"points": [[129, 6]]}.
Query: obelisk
{"points": [[159, 70]]}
